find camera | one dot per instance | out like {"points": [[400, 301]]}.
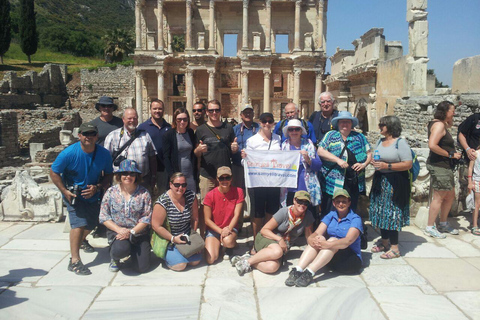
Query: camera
{"points": [[76, 191], [118, 160], [185, 237]]}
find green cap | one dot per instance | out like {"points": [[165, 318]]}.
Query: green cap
{"points": [[341, 192], [302, 195]]}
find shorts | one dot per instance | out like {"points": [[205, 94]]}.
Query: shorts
{"points": [[345, 261], [262, 242], [211, 233], [264, 200], [442, 178], [476, 186], [84, 214], [174, 257], [205, 185]]}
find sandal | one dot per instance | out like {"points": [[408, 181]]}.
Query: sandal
{"points": [[379, 247], [78, 268], [390, 254], [87, 247], [476, 231]]}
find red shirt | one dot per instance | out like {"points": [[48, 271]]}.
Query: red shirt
{"points": [[223, 204]]}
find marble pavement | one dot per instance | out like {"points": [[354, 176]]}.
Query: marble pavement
{"points": [[434, 279]]}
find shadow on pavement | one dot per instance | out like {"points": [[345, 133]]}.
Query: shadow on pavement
{"points": [[8, 297]]}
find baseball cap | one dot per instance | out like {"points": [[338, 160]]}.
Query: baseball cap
{"points": [[224, 170], [341, 192], [87, 127], [302, 195]]}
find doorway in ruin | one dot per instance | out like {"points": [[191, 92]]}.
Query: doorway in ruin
{"points": [[361, 109]]}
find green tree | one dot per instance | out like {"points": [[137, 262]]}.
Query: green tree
{"points": [[178, 43], [5, 28], [118, 44], [28, 28]]}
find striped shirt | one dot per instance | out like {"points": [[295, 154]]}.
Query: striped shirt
{"points": [[180, 222]]}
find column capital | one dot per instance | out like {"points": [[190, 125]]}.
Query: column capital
{"points": [[266, 73], [298, 3], [189, 72], [160, 2], [189, 2], [245, 3], [297, 72], [268, 3], [212, 4], [138, 73], [244, 73], [139, 3], [211, 72], [160, 72], [318, 74]]}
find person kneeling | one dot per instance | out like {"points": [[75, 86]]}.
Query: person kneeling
{"points": [[222, 208], [277, 236], [340, 249]]}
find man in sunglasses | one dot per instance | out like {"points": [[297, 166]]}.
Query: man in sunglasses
{"points": [[291, 112], [198, 115], [156, 126], [322, 120], [106, 122], [77, 173]]}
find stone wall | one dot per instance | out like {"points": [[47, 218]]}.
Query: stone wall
{"points": [[466, 75], [390, 84], [9, 146]]}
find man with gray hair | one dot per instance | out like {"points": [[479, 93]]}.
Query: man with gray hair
{"points": [[321, 120], [291, 112]]}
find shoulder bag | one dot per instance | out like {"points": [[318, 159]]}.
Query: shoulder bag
{"points": [[195, 245]]}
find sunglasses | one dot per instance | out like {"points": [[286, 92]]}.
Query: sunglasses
{"points": [[89, 134], [303, 202], [267, 121], [131, 174], [106, 105], [198, 110], [341, 201], [213, 110], [178, 185], [225, 178], [381, 125], [294, 129], [182, 119]]}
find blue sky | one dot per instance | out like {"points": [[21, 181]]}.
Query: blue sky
{"points": [[454, 28]]}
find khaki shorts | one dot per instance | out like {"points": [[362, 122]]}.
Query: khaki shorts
{"points": [[442, 178], [205, 185], [262, 242]]}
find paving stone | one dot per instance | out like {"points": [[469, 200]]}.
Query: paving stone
{"points": [[474, 262], [316, 303], [370, 258], [461, 248], [14, 229], [46, 302], [468, 302], [16, 266], [330, 279], [378, 276], [448, 274], [224, 271], [36, 244], [138, 302], [4, 225], [413, 234], [424, 250], [410, 303], [44, 231]]}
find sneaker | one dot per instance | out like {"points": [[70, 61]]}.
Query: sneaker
{"points": [[235, 259], [292, 276], [243, 267], [304, 279], [114, 266], [447, 229], [228, 253], [433, 232], [86, 247]]}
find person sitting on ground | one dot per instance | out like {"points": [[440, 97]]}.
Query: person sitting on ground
{"points": [[222, 208], [474, 185], [340, 249], [126, 211], [277, 236], [178, 205]]}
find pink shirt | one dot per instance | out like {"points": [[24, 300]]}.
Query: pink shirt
{"points": [[223, 204]]}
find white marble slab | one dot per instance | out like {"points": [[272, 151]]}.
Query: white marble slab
{"points": [[468, 302], [4, 225], [44, 231], [448, 274], [474, 262], [461, 248], [37, 245], [317, 303], [330, 279], [46, 302], [16, 266], [410, 303], [225, 272], [378, 276], [153, 302], [371, 258], [425, 250], [14, 229], [413, 234]]}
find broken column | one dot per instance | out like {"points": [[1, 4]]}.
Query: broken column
{"points": [[418, 47]]}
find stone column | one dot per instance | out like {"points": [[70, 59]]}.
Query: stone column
{"points": [[266, 91], [296, 86], [318, 89], [245, 25], [297, 25], [211, 34], [161, 85], [138, 95], [160, 25], [244, 87], [320, 23], [188, 36], [138, 24], [268, 25], [417, 57], [211, 84], [189, 90]]}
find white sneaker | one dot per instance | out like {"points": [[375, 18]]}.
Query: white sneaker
{"points": [[433, 232]]}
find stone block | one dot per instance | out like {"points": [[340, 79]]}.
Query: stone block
{"points": [[415, 15], [418, 38], [417, 77], [425, 250], [421, 218], [468, 302], [466, 75], [256, 40], [417, 4], [201, 40], [34, 148], [65, 137], [392, 275], [308, 46]]}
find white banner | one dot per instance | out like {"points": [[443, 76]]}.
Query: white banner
{"points": [[271, 168]]}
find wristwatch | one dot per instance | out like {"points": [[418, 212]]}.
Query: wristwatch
{"points": [[450, 154], [389, 166], [132, 232]]}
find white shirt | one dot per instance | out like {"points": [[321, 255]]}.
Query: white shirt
{"points": [[257, 142]]}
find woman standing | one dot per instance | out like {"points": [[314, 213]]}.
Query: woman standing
{"points": [[390, 193], [441, 166], [178, 146]]}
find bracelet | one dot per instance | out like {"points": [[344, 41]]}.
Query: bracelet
{"points": [[171, 240], [468, 149]]}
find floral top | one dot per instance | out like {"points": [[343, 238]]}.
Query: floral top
{"points": [[129, 213]]}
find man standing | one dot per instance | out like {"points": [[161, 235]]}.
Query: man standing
{"points": [[130, 143], [77, 173], [156, 127], [291, 112], [106, 122], [322, 120], [198, 115]]}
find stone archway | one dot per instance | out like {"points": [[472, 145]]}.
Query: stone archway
{"points": [[361, 113]]}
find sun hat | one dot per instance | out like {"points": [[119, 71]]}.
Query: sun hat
{"points": [[247, 106], [224, 170], [302, 195], [341, 192], [344, 115], [105, 101], [87, 127], [128, 165], [293, 123]]}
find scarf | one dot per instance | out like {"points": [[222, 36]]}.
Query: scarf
{"points": [[293, 221]]}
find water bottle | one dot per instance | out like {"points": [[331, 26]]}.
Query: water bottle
{"points": [[376, 157]]}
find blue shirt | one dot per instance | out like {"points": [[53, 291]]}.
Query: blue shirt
{"points": [[157, 135], [73, 164], [339, 229], [310, 131], [242, 133]]}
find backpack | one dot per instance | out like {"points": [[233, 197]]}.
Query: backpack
{"points": [[304, 124], [415, 169]]}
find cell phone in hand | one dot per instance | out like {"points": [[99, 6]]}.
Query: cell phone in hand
{"points": [[185, 237]]}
